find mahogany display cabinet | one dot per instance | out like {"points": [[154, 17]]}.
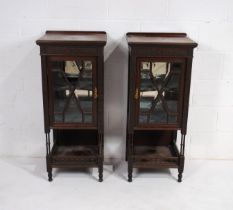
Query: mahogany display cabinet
{"points": [[72, 79], [158, 99]]}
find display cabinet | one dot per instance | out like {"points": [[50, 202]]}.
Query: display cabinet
{"points": [[158, 98], [72, 82]]}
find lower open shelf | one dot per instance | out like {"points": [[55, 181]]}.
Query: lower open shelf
{"points": [[152, 156], [74, 156], [75, 151], [75, 148], [155, 149]]}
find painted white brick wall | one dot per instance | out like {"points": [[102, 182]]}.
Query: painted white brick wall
{"points": [[209, 22]]}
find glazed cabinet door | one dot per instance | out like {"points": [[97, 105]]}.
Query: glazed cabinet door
{"points": [[159, 92], [73, 91]]}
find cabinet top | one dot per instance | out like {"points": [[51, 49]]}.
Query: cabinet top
{"points": [[179, 39], [73, 38]]}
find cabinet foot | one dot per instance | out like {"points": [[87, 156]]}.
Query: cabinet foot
{"points": [[50, 176], [180, 177], [130, 175], [100, 173], [180, 169]]}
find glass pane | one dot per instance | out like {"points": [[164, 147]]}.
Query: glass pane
{"points": [[72, 89], [159, 92]]}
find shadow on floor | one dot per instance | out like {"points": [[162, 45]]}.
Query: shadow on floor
{"points": [[121, 170], [37, 168]]}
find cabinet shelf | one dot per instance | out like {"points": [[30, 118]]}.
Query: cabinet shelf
{"points": [[74, 155], [75, 151], [161, 156]]}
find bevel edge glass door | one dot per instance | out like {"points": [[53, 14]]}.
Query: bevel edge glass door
{"points": [[73, 90], [159, 90]]}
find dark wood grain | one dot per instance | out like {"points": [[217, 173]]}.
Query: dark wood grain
{"points": [[153, 145], [170, 39], [74, 145], [73, 38]]}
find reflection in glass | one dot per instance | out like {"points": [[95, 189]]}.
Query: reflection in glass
{"points": [[72, 89], [159, 92]]}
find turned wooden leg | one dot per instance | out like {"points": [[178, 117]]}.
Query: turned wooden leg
{"points": [[130, 172], [100, 162], [49, 169], [50, 175], [180, 177], [180, 168], [100, 172], [130, 161], [48, 161], [181, 158]]}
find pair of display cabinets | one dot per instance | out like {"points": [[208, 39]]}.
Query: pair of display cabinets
{"points": [[73, 99]]}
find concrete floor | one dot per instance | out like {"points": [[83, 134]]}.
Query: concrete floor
{"points": [[206, 185]]}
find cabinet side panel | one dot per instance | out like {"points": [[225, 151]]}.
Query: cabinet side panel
{"points": [[45, 93], [131, 92], [100, 87], [186, 95]]}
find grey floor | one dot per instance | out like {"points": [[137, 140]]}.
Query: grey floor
{"points": [[207, 184]]}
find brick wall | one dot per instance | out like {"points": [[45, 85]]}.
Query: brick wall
{"points": [[209, 22]]}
